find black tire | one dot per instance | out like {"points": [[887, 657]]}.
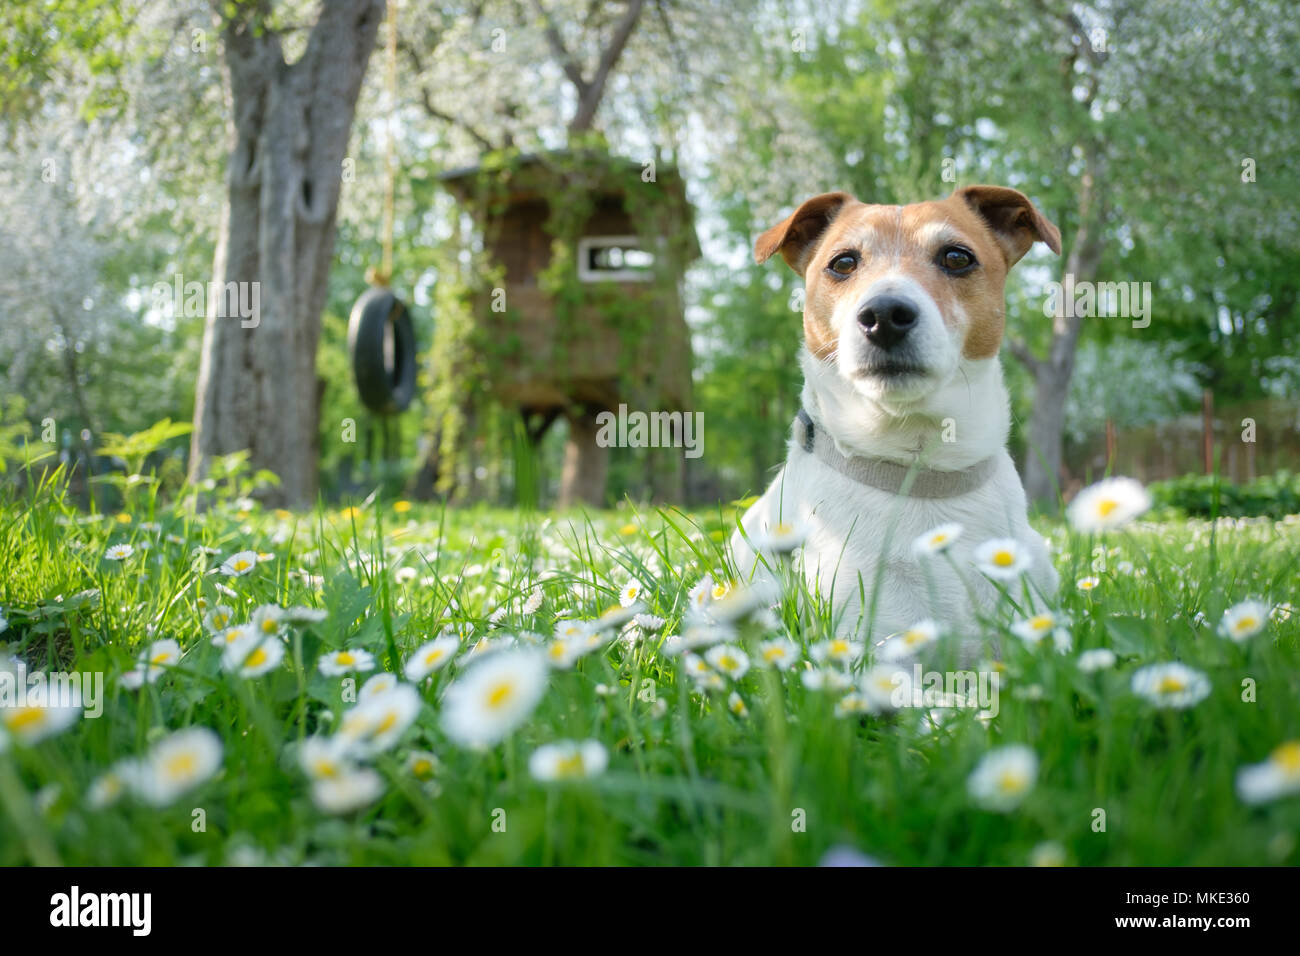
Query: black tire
{"points": [[386, 383]]}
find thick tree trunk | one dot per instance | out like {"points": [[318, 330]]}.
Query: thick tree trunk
{"points": [[586, 462], [289, 130]]}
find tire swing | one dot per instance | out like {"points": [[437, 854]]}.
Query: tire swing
{"points": [[381, 336]]}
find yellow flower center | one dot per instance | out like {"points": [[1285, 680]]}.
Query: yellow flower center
{"points": [[346, 659], [499, 695], [422, 768], [269, 625], [720, 591], [1171, 685], [256, 659], [387, 723], [25, 718], [1004, 559], [1106, 506], [1041, 623], [570, 766], [727, 662], [784, 528], [180, 765], [242, 564], [938, 539], [913, 637], [162, 658], [433, 656], [1287, 756], [324, 768], [1247, 623], [1011, 782], [774, 653]]}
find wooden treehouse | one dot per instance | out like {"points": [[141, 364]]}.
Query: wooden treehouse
{"points": [[580, 310]]}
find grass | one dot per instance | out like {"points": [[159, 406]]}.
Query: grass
{"points": [[689, 781]]}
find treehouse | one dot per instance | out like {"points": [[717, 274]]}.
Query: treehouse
{"points": [[581, 309]]}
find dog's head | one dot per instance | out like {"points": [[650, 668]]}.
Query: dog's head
{"points": [[899, 296]]}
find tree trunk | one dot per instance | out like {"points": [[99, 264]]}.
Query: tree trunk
{"points": [[586, 463], [288, 133], [1052, 375]]}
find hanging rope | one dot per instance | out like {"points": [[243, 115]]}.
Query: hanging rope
{"points": [[384, 274]]}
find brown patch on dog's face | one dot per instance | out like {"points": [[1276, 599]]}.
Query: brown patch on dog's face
{"points": [[958, 250]]}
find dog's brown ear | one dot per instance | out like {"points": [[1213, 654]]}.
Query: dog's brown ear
{"points": [[1016, 222], [795, 235]]}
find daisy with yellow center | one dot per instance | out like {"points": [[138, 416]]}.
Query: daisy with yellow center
{"points": [[728, 659], [31, 723], [219, 619], [782, 537], [909, 643], [886, 687], [1110, 503], [252, 655], [422, 764], [379, 720], [630, 593], [151, 664], [1243, 621], [1032, 630], [1278, 776], [268, 620], [1171, 685], [937, 540], [837, 650], [431, 657], [346, 661], [494, 696], [177, 764], [1089, 583], [781, 653], [239, 564], [1003, 778], [567, 760], [1003, 559], [119, 552]]}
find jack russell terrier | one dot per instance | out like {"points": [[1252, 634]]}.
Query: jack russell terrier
{"points": [[905, 415]]}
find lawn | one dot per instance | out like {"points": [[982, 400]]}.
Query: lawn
{"points": [[711, 756]]}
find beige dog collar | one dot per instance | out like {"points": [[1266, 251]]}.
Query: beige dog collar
{"points": [[910, 481]]}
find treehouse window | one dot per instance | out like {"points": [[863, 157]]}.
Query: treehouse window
{"points": [[616, 258]]}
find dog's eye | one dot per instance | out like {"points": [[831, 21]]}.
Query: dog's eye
{"points": [[843, 264], [955, 260]]}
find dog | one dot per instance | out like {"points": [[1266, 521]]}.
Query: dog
{"points": [[905, 414]]}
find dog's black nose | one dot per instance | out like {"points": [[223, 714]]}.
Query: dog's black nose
{"points": [[886, 319]]}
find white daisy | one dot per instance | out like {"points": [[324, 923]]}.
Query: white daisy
{"points": [[29, 724], [908, 643], [937, 540], [782, 537], [1003, 559], [781, 652], [728, 659], [1089, 583], [344, 661], [119, 552], [493, 697], [323, 758], [152, 662], [1171, 685], [177, 764], [253, 656], [431, 657], [568, 760], [534, 602], [1097, 659], [268, 620], [239, 564], [378, 721], [630, 593], [378, 684], [422, 764], [838, 650], [219, 619], [886, 686], [1243, 621], [739, 601], [1109, 503], [353, 789], [1003, 778], [736, 704], [1031, 630], [1278, 776]]}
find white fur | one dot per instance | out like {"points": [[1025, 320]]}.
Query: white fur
{"points": [[854, 528]]}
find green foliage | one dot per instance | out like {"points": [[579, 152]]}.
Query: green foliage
{"points": [[1202, 496], [692, 778]]}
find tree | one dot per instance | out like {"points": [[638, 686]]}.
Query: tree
{"points": [[288, 130]]}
